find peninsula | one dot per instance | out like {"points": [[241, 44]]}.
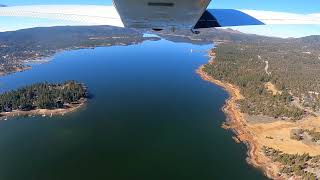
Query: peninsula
{"points": [[27, 45], [274, 104], [43, 99]]}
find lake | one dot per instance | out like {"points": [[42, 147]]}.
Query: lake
{"points": [[150, 117]]}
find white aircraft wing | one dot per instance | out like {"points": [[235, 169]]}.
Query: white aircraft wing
{"points": [[143, 14], [81, 14], [231, 17]]}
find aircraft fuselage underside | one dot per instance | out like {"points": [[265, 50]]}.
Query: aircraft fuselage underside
{"points": [[161, 14]]}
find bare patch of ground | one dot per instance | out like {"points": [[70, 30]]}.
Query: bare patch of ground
{"points": [[269, 132], [272, 88]]}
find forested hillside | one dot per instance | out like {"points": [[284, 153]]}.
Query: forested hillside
{"points": [[278, 77], [17, 47]]}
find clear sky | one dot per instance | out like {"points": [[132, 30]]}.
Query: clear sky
{"points": [[294, 6], [297, 6]]}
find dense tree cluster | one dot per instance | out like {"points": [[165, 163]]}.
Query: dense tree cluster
{"points": [[43, 96], [302, 165], [291, 65]]}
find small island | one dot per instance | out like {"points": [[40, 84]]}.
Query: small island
{"points": [[46, 99]]}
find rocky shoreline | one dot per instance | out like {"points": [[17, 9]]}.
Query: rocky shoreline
{"points": [[236, 122]]}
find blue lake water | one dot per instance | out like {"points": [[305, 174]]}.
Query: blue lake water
{"points": [[151, 117]]}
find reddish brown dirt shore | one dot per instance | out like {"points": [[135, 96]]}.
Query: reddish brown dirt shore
{"points": [[45, 112], [237, 123]]}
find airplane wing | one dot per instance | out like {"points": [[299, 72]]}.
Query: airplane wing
{"points": [[77, 14], [231, 17], [157, 16]]}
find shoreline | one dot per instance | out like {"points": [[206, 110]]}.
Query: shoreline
{"points": [[237, 123], [69, 108]]}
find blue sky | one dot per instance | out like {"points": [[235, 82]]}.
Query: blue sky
{"points": [[297, 6], [294, 6]]}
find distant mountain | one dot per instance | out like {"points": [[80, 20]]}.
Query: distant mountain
{"points": [[2, 5], [313, 40], [16, 47], [212, 35]]}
